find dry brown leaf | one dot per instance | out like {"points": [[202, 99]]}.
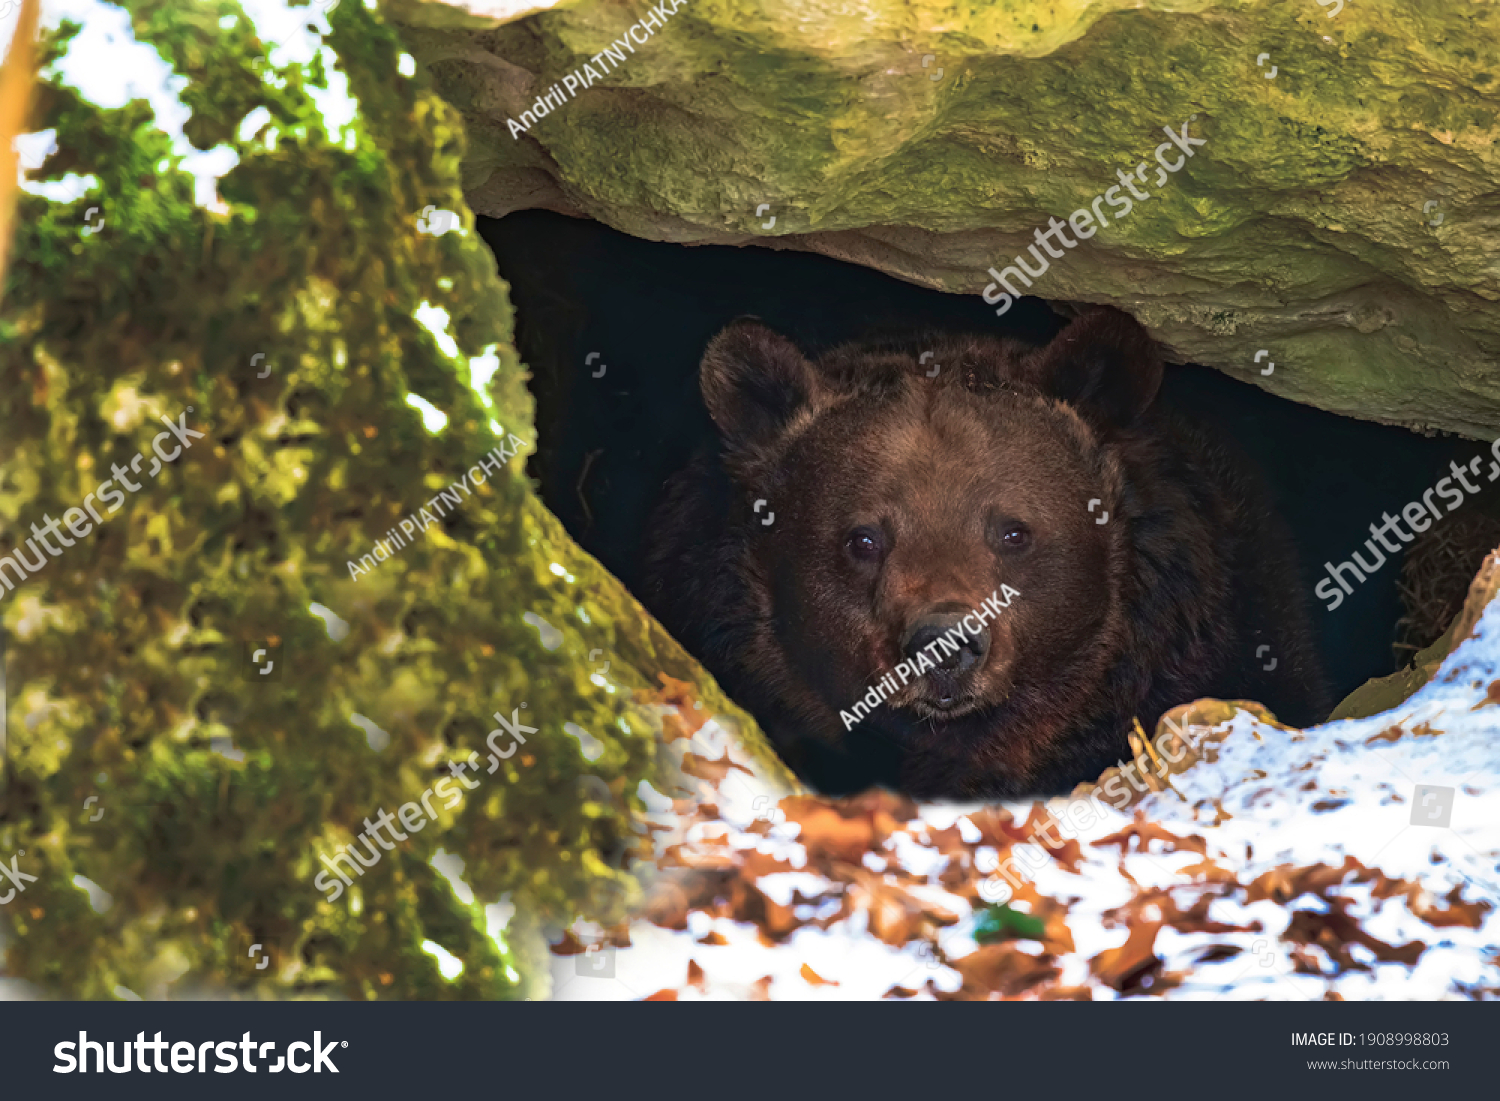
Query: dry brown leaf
{"points": [[688, 719], [827, 833], [1056, 938], [888, 813], [704, 768], [1304, 962], [960, 877], [1470, 915], [1491, 695], [775, 922], [949, 842], [568, 946], [1001, 968], [996, 828], [1000, 830], [1209, 872], [1042, 828], [1286, 882], [1143, 833], [1125, 967], [697, 856], [893, 914], [1196, 919], [814, 979], [754, 864], [1335, 931]]}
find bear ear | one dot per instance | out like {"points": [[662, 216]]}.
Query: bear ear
{"points": [[1104, 362], [753, 381]]}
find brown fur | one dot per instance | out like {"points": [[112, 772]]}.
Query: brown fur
{"points": [[1166, 602]]}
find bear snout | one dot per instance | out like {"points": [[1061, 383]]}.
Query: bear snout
{"points": [[940, 632]]}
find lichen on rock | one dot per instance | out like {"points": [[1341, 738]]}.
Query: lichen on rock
{"points": [[1335, 219]]}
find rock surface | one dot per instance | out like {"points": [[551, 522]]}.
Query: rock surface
{"points": [[1341, 217]]}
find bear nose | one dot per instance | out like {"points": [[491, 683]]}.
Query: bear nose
{"points": [[946, 620]]}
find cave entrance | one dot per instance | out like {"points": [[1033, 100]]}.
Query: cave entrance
{"points": [[612, 328]]}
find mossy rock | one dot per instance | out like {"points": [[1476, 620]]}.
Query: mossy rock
{"points": [[172, 801], [1339, 216]]}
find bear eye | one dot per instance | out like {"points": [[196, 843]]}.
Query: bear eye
{"points": [[865, 544], [1015, 536]]}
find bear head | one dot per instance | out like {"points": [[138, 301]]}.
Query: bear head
{"points": [[886, 495]]}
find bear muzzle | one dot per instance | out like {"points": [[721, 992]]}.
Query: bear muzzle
{"points": [[948, 644]]}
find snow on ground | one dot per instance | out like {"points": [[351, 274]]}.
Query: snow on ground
{"points": [[1356, 860]]}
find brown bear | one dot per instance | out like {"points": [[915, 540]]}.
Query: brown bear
{"points": [[1090, 557]]}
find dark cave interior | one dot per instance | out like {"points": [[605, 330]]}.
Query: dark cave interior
{"points": [[612, 328]]}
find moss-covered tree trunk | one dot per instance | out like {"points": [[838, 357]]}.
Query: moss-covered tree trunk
{"points": [[173, 801]]}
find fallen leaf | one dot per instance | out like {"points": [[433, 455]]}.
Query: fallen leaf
{"points": [[1491, 695], [1470, 915], [713, 771], [814, 979], [687, 719], [827, 833], [1143, 833], [1000, 968], [1125, 967], [1336, 930]]}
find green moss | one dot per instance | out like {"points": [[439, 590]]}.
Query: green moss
{"points": [[129, 654], [1300, 220]]}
